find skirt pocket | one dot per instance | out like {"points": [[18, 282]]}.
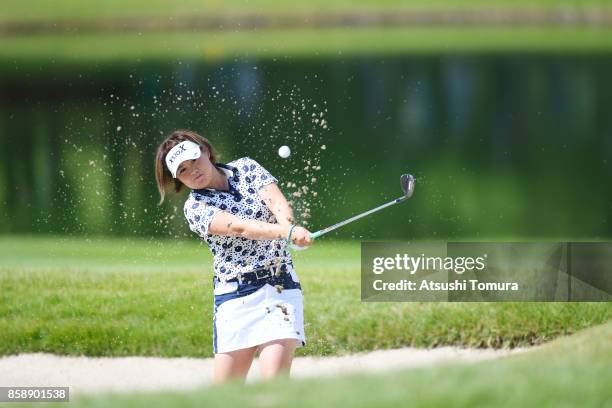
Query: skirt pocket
{"points": [[221, 288]]}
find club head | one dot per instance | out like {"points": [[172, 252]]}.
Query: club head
{"points": [[407, 182]]}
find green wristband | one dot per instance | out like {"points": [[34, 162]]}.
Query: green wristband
{"points": [[290, 231]]}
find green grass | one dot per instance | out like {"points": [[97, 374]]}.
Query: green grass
{"points": [[117, 297], [228, 42], [569, 372], [37, 10], [341, 42]]}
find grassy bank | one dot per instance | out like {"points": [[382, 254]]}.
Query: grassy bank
{"points": [[67, 30], [38, 10], [338, 42], [116, 297]]}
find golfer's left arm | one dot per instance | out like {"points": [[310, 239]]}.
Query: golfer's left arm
{"points": [[277, 203]]}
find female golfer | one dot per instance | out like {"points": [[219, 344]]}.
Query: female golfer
{"points": [[238, 209]]}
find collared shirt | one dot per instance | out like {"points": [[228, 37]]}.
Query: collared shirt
{"points": [[233, 255]]}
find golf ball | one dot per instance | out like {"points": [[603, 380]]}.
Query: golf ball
{"points": [[284, 152]]}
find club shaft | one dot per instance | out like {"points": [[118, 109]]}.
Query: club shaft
{"points": [[356, 217]]}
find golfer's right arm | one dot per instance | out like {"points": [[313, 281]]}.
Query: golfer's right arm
{"points": [[224, 223]]}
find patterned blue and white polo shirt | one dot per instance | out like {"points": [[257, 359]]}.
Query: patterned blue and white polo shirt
{"points": [[233, 255]]}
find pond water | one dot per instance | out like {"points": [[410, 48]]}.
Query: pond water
{"points": [[502, 146]]}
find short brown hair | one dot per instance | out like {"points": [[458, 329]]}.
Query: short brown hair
{"points": [[162, 174]]}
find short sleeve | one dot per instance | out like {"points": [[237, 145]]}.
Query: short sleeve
{"points": [[257, 174], [199, 215]]}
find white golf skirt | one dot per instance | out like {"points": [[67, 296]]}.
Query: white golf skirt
{"points": [[258, 318]]}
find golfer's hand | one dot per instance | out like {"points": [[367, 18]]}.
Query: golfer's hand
{"points": [[300, 236]]}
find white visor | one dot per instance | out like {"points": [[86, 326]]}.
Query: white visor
{"points": [[186, 150]]}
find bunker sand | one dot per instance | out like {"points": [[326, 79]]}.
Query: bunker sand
{"points": [[88, 375]]}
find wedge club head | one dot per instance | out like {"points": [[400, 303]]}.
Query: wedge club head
{"points": [[407, 182]]}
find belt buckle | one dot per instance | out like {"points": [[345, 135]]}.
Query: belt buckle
{"points": [[265, 273]]}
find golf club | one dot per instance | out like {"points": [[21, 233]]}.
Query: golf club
{"points": [[407, 182]]}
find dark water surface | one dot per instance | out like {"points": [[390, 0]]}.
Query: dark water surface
{"points": [[503, 146]]}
